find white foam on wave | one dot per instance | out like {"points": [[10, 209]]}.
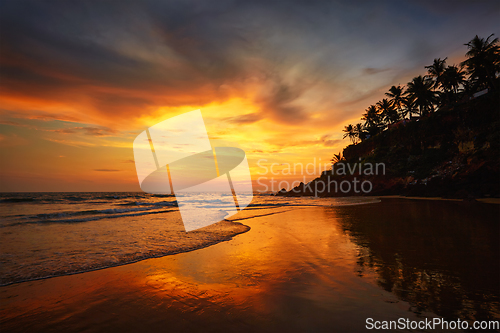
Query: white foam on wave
{"points": [[64, 241]]}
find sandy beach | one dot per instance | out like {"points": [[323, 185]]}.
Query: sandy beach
{"points": [[249, 166], [289, 273]]}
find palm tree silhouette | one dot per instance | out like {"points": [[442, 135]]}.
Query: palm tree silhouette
{"points": [[409, 107], [420, 89], [452, 78], [337, 158], [396, 97], [441, 87], [349, 132], [389, 114], [372, 120], [483, 62], [360, 131], [436, 70]]}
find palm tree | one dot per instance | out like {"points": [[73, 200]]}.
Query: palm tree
{"points": [[349, 132], [452, 78], [360, 131], [389, 114], [397, 98], [436, 70], [337, 158], [372, 120], [420, 89], [409, 107], [371, 116], [483, 61]]}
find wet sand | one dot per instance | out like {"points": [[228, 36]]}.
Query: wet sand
{"points": [[483, 200], [295, 271]]}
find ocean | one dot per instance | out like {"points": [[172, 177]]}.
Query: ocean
{"points": [[53, 234], [281, 264]]}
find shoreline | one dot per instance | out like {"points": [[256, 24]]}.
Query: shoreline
{"points": [[156, 256], [223, 231], [220, 287], [399, 196], [495, 201], [304, 269]]}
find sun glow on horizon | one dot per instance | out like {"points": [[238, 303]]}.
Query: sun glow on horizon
{"points": [[281, 87]]}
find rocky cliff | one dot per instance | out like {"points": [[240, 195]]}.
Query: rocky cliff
{"points": [[453, 152]]}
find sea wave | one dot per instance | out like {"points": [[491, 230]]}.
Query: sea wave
{"points": [[141, 203], [14, 200], [47, 220], [180, 243], [45, 235]]}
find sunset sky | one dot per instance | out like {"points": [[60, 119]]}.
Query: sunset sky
{"points": [[80, 80]]}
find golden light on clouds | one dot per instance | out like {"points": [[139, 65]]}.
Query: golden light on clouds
{"points": [[278, 81]]}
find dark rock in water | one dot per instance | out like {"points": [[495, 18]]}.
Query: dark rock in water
{"points": [[283, 191]]}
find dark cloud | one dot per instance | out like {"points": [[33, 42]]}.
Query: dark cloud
{"points": [[96, 131], [65, 130], [118, 103], [50, 117], [11, 123], [122, 58], [245, 119], [331, 143], [328, 142], [372, 71], [279, 103], [356, 100], [90, 131]]}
